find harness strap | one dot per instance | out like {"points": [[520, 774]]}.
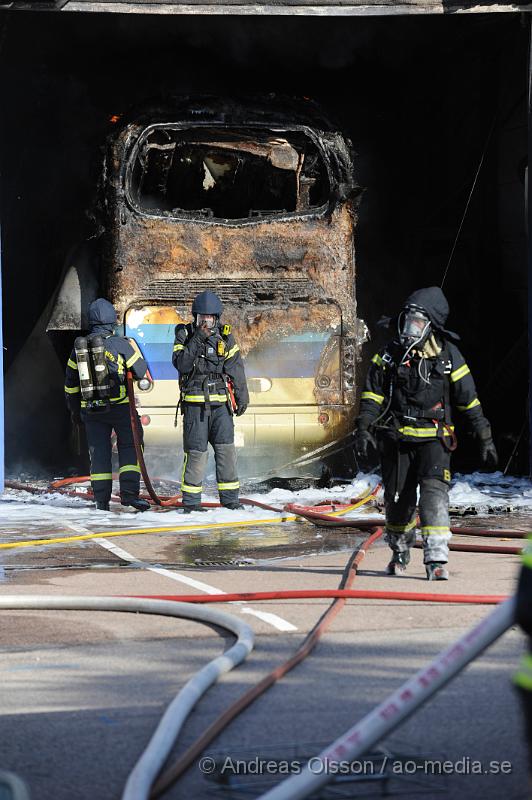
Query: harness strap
{"points": [[179, 403], [451, 442], [206, 395], [441, 416], [423, 413]]}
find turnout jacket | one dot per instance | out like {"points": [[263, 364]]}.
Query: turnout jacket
{"points": [[415, 398], [524, 594], [120, 356], [204, 362], [523, 615]]}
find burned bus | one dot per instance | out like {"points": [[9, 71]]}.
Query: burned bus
{"points": [[256, 201]]}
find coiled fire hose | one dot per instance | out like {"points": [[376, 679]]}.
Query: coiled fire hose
{"points": [[151, 761]]}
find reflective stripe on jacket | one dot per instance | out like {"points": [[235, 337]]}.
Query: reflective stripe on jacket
{"points": [[203, 362], [414, 393]]}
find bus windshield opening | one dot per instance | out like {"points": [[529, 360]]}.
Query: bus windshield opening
{"points": [[226, 174]]}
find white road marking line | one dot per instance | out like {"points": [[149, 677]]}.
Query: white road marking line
{"points": [[271, 619], [166, 573], [267, 617]]}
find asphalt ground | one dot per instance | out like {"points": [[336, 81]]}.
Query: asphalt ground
{"points": [[81, 692]]}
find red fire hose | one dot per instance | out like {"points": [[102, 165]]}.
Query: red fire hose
{"points": [[236, 708], [135, 422], [348, 594], [344, 592], [362, 523], [173, 501], [340, 596], [495, 532]]}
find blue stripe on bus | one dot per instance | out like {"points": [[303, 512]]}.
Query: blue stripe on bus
{"points": [[156, 352], [294, 356], [163, 371], [150, 334], [162, 333]]}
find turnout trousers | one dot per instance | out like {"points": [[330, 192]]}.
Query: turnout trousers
{"points": [[99, 428], [200, 428], [405, 466]]}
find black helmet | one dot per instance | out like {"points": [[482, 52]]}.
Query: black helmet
{"points": [[207, 303]]}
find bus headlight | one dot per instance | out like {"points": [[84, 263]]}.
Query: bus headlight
{"points": [[145, 384]]}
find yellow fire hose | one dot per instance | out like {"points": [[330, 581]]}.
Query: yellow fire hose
{"points": [[170, 529]]}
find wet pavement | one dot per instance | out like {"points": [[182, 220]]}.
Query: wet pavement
{"points": [[81, 692]]}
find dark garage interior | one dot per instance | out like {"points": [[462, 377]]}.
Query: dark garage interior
{"points": [[436, 109]]}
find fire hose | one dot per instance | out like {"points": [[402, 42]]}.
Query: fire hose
{"points": [[472, 647], [137, 438], [355, 742], [173, 501], [151, 761], [332, 521], [343, 595], [236, 708], [398, 706], [348, 594], [135, 423], [187, 759], [386, 716]]}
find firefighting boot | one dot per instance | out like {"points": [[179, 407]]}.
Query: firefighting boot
{"points": [[436, 571], [233, 506], [102, 505], [190, 509], [399, 563], [137, 503]]}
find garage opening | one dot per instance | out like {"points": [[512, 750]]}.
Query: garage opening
{"points": [[435, 107]]}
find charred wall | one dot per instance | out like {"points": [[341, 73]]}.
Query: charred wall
{"points": [[423, 99]]}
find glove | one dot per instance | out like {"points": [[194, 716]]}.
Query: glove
{"points": [[488, 453], [363, 440], [242, 408], [202, 333]]}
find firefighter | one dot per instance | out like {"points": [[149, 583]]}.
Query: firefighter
{"points": [[110, 412], [405, 413], [523, 678], [210, 372]]}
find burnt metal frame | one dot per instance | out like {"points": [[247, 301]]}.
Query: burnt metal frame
{"points": [[318, 211]]}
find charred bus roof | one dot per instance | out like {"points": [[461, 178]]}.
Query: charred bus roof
{"points": [[212, 159]]}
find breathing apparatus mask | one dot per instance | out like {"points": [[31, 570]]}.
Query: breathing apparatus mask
{"points": [[413, 327], [211, 321]]}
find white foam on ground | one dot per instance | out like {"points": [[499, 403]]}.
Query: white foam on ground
{"points": [[482, 490]]}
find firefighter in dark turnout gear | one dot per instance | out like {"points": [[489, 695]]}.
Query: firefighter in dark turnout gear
{"points": [[210, 370], [523, 678], [410, 388], [101, 418]]}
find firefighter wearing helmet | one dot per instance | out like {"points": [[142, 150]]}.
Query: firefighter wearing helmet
{"points": [[405, 413], [213, 388], [96, 394]]}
